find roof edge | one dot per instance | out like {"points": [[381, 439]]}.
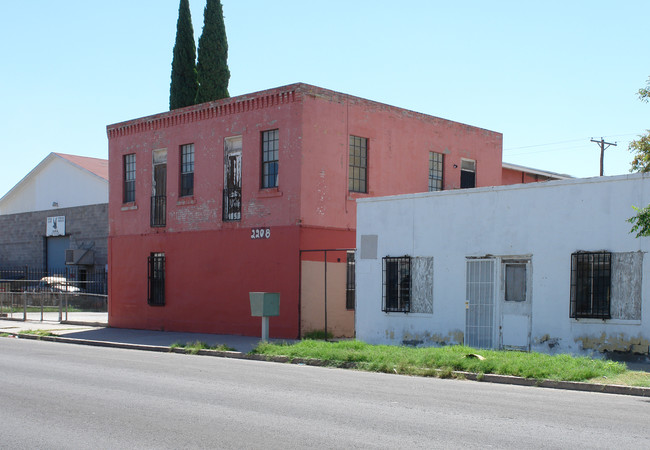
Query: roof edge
{"points": [[546, 173], [255, 100]]}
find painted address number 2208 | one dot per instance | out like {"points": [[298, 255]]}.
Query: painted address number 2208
{"points": [[260, 233]]}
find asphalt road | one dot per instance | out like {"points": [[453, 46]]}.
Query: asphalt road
{"points": [[67, 396]]}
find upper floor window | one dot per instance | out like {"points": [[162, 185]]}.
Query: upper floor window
{"points": [[467, 173], [159, 188], [358, 168], [591, 276], [270, 157], [397, 284], [187, 170], [435, 171], [129, 178], [232, 194]]}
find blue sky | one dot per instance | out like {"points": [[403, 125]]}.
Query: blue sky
{"points": [[548, 75]]}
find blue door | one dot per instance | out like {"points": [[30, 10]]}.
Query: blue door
{"points": [[56, 247]]}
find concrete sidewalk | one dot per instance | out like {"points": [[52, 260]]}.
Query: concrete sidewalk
{"points": [[76, 329], [91, 334]]}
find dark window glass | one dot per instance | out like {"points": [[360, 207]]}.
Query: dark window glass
{"points": [[467, 174], [187, 170], [397, 284], [270, 158], [129, 178], [591, 285], [435, 171], [358, 167], [159, 197], [156, 292]]}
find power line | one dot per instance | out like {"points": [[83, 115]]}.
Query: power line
{"points": [[560, 142], [544, 145], [560, 149]]}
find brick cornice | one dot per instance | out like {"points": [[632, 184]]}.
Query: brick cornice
{"points": [[204, 111]]}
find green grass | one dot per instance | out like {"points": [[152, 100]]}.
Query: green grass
{"points": [[318, 334], [629, 378], [442, 361], [193, 348], [38, 332]]}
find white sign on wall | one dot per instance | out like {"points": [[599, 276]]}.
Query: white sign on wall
{"points": [[55, 226]]}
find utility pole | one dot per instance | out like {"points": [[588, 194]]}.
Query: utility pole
{"points": [[602, 145]]}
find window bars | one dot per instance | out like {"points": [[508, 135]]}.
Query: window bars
{"points": [[591, 285], [158, 210], [396, 284], [156, 291]]}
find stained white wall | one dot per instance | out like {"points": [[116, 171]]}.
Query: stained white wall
{"points": [[549, 221], [56, 180]]}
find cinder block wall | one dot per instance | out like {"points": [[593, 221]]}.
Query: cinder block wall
{"points": [[22, 239]]}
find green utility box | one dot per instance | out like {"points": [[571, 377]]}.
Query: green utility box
{"points": [[265, 304]]}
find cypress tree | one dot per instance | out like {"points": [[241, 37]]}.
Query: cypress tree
{"points": [[184, 84], [212, 66]]}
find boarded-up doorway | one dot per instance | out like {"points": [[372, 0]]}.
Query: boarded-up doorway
{"points": [[327, 292]]}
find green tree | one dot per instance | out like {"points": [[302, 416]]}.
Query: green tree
{"points": [[641, 163], [212, 66], [184, 84], [641, 146]]}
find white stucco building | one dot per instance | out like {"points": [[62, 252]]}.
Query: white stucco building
{"points": [[550, 267], [59, 181]]}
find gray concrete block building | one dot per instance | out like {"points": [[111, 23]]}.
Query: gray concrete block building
{"points": [[55, 219]]}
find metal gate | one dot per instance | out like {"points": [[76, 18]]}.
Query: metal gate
{"points": [[479, 303]]}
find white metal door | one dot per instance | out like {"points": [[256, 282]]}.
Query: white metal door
{"points": [[479, 303], [515, 304]]}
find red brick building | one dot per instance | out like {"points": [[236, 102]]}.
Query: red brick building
{"points": [[210, 202]]}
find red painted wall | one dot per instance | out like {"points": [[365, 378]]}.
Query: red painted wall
{"points": [[208, 276], [212, 265], [511, 176]]}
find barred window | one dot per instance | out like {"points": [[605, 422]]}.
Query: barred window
{"points": [[435, 171], [396, 284], [350, 290], [358, 166], [187, 170], [591, 285], [156, 291], [129, 178], [270, 158]]}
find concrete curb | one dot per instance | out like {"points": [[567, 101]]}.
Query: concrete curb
{"points": [[486, 378]]}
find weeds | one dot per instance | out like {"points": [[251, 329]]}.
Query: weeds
{"points": [[37, 333], [446, 360], [318, 335], [192, 348]]}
